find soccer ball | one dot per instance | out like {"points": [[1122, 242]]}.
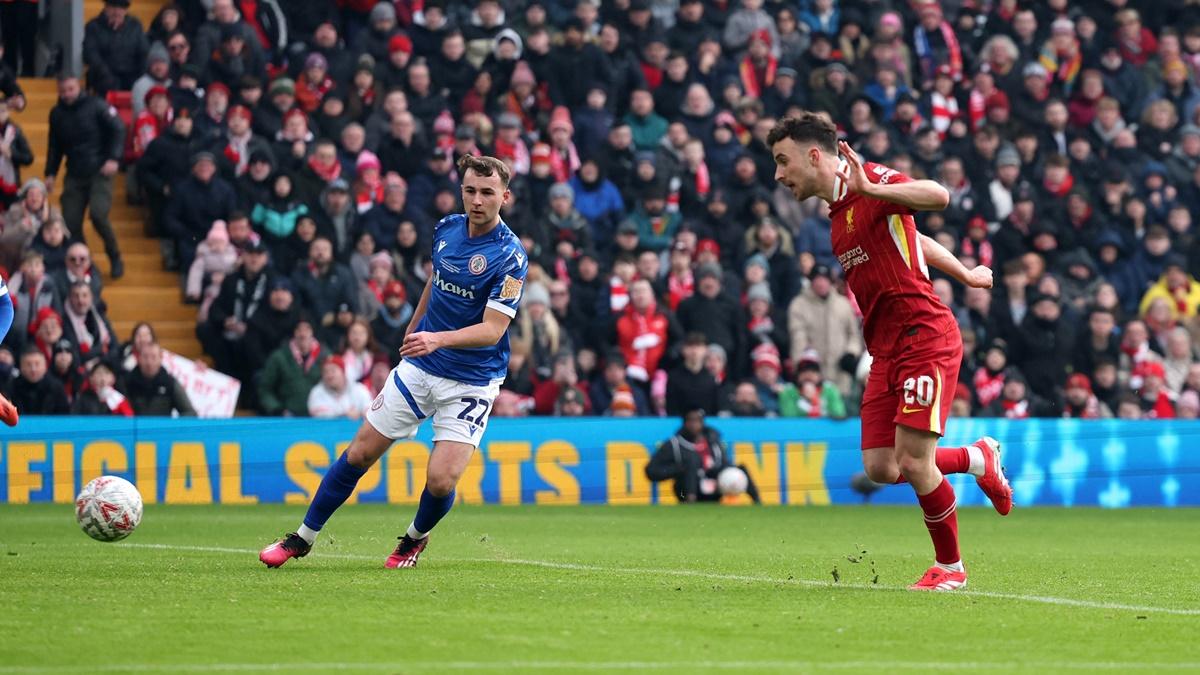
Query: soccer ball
{"points": [[732, 481], [108, 508]]}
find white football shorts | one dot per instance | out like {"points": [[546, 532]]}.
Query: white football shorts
{"points": [[459, 411]]}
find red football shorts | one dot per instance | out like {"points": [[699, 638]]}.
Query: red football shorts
{"points": [[914, 387]]}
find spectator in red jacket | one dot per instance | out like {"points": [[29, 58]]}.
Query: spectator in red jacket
{"points": [[1149, 380], [643, 332]]}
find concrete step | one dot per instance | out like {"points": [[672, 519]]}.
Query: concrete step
{"points": [[121, 311], [163, 329]]}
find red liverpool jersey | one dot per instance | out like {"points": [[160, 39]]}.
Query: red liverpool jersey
{"points": [[877, 244]]}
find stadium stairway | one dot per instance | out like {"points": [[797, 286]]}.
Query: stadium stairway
{"points": [[147, 292]]}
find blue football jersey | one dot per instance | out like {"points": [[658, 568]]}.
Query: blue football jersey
{"points": [[469, 275]]}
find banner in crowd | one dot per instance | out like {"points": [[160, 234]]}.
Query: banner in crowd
{"points": [[1107, 463], [212, 393]]}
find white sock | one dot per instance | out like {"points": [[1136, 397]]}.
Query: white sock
{"points": [[952, 567], [976, 466], [414, 533], [307, 533]]}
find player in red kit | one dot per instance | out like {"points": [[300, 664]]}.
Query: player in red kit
{"points": [[912, 336]]}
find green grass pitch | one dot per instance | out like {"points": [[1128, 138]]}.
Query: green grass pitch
{"points": [[602, 589]]}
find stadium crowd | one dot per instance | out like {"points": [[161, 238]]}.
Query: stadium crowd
{"points": [[295, 156]]}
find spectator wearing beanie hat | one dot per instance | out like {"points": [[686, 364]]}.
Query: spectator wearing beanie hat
{"points": [[368, 183], [564, 160], [715, 315], [1080, 402], [215, 258], [335, 396], [811, 395], [390, 325], [376, 38], [766, 366], [158, 73], [314, 83], [1149, 380], [391, 71]]}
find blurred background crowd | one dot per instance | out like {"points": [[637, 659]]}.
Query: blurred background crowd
{"points": [[294, 157]]}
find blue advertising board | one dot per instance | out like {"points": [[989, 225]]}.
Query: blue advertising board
{"points": [[1108, 463]]}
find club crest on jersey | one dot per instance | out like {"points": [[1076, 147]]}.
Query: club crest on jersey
{"points": [[441, 245], [850, 220], [477, 264]]}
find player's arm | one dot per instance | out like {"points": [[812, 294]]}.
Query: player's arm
{"points": [[938, 256], [483, 334], [919, 195], [419, 312]]}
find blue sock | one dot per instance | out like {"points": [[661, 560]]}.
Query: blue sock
{"points": [[335, 489], [429, 512]]}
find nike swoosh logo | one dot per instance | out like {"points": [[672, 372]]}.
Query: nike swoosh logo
{"points": [[907, 410]]}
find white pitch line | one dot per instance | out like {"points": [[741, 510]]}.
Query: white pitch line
{"points": [[443, 666], [1041, 599]]}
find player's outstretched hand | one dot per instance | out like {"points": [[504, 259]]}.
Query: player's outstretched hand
{"points": [[420, 344], [980, 277], [854, 176]]}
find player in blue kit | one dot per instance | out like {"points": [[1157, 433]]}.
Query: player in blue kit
{"points": [[8, 412], [452, 367]]}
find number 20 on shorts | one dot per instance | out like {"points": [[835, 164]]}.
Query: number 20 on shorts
{"points": [[919, 390]]}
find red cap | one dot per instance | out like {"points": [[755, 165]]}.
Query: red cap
{"points": [[997, 99], [394, 289], [708, 246], [766, 355], [217, 87], [540, 153], [945, 71], [156, 90], [295, 112], [337, 360], [240, 111], [400, 43], [1148, 368], [1079, 381], [762, 35]]}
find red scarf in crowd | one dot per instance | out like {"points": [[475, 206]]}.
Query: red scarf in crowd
{"points": [[305, 361], [756, 79], [1015, 410], [326, 173], [988, 386], [1063, 189], [680, 288]]}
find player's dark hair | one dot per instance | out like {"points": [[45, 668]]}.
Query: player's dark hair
{"points": [[807, 127], [485, 166]]}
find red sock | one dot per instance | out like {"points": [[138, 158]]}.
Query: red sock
{"points": [[949, 460], [942, 521]]}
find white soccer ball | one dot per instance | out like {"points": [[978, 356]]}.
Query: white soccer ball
{"points": [[108, 508], [732, 481]]}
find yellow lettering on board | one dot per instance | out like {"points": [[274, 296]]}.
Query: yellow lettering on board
{"points": [[145, 469], [64, 472], [22, 481], [231, 475], [806, 474], [298, 462], [763, 468], [470, 489], [627, 482], [552, 459], [510, 455], [406, 464], [101, 458], [188, 480]]}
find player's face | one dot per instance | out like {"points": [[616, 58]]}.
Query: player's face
{"points": [[799, 167], [482, 197]]}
